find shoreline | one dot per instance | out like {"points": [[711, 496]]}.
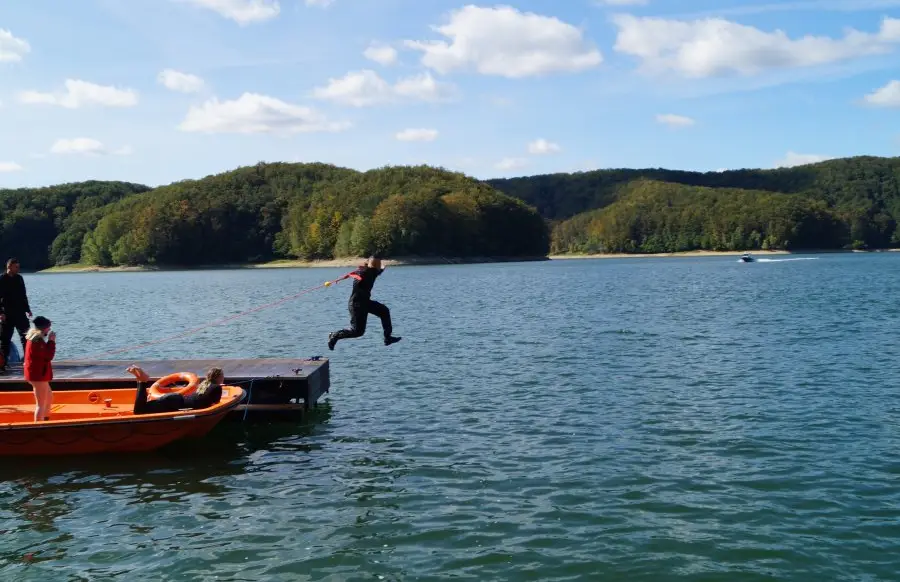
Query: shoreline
{"points": [[294, 264], [689, 254], [684, 254], [426, 261]]}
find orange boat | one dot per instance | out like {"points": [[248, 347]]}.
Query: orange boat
{"points": [[101, 421]]}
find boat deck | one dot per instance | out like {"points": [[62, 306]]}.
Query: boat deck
{"points": [[80, 404], [274, 385]]}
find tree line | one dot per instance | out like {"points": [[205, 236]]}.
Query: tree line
{"points": [[266, 212], [320, 211], [837, 204], [661, 217]]}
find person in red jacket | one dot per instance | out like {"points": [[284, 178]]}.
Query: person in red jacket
{"points": [[40, 348]]}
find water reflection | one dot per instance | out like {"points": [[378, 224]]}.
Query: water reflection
{"points": [[39, 495]]}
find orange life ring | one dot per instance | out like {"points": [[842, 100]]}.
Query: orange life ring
{"points": [[165, 385]]}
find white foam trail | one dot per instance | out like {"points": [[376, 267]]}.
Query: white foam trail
{"points": [[786, 260]]}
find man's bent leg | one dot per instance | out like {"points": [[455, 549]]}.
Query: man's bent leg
{"points": [[382, 312], [358, 317]]}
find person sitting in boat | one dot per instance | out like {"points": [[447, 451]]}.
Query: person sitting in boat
{"points": [[208, 393]]}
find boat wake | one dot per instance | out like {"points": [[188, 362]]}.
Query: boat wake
{"points": [[786, 260]]}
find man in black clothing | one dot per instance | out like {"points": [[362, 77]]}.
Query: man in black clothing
{"points": [[14, 309], [361, 305]]}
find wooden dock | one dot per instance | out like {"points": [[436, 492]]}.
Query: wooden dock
{"points": [[276, 387]]}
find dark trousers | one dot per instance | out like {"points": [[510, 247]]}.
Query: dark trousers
{"points": [[13, 322], [168, 403], [359, 316]]}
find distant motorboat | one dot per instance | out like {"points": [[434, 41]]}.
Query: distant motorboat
{"points": [[746, 258]]}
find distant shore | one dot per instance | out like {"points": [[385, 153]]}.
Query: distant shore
{"points": [[422, 261], [713, 254], [665, 255], [295, 264]]}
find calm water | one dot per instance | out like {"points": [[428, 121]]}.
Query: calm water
{"points": [[644, 419]]}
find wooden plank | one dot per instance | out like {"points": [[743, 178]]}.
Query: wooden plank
{"points": [[235, 369]]}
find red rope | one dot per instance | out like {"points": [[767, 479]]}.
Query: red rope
{"points": [[213, 323]]}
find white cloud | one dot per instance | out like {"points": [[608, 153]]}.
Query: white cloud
{"points": [[424, 88], [506, 42], [241, 11], [542, 146], [381, 54], [507, 164], [793, 159], [86, 146], [82, 94], [6, 167], [715, 47], [417, 134], [255, 113], [12, 49], [887, 96], [673, 120], [366, 88], [320, 3], [181, 82], [78, 145]]}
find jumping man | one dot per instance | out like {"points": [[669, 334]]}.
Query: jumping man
{"points": [[361, 305]]}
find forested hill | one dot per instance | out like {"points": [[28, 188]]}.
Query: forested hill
{"points": [[269, 211], [846, 181], [45, 226], [860, 196], [320, 211]]}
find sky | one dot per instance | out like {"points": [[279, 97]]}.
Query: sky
{"points": [[156, 91]]}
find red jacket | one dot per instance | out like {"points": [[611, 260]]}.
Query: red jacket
{"points": [[38, 355]]}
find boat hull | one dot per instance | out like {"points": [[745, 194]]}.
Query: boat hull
{"points": [[277, 389], [101, 421]]}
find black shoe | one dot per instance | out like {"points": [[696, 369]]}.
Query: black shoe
{"points": [[331, 341], [391, 340]]}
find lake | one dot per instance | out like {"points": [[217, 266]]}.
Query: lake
{"points": [[623, 419]]}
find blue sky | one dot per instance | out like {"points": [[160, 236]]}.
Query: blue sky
{"points": [[155, 91]]}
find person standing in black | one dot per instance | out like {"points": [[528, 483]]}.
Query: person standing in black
{"points": [[361, 305], [14, 309]]}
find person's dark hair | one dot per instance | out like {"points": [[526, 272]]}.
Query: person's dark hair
{"points": [[12, 261], [41, 322]]}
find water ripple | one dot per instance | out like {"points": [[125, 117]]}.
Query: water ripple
{"points": [[691, 419]]}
